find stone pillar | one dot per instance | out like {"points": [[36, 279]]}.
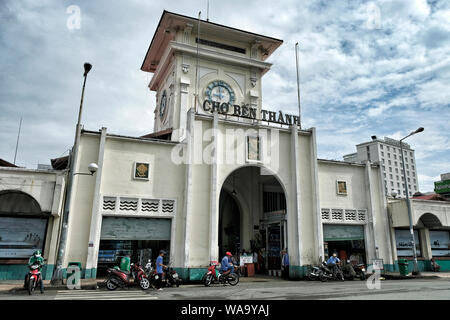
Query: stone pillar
{"points": [[214, 196], [96, 216], [425, 243], [294, 215], [370, 232]]}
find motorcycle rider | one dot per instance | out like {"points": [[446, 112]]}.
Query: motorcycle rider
{"points": [[332, 263], [227, 266], [36, 258]]}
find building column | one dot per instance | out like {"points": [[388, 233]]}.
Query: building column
{"points": [[188, 185], [294, 217], [316, 201], [371, 241], [96, 216], [214, 196], [425, 243]]}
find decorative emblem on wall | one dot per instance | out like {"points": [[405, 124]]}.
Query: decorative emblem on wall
{"points": [[163, 105], [141, 170]]}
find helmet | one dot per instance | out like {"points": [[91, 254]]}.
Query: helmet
{"points": [[228, 253], [37, 253], [162, 251]]}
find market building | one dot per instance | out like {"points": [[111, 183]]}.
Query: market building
{"points": [[219, 173]]}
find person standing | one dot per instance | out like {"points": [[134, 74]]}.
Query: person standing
{"points": [[159, 269], [285, 264]]}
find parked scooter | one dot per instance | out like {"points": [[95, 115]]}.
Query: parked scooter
{"points": [[171, 278], [316, 273], [360, 270], [118, 278], [214, 276], [329, 275]]}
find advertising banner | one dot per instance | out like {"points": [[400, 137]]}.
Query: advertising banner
{"points": [[440, 243], [21, 237], [404, 244]]}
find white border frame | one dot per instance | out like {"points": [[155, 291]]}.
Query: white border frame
{"points": [[134, 171], [260, 161], [337, 188]]}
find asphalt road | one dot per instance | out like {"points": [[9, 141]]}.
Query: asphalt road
{"points": [[417, 289]]}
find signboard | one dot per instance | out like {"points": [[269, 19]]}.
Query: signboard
{"points": [[440, 243], [335, 232], [341, 187], [21, 237], [135, 228], [378, 264], [245, 259], [442, 186], [404, 244]]}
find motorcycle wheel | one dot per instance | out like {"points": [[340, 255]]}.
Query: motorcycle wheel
{"points": [[340, 276], [110, 285], [322, 277], [310, 277], [233, 279], [208, 280], [362, 277], [31, 286], [144, 283]]}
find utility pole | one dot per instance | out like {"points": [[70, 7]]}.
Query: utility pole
{"points": [[17, 143], [58, 272]]}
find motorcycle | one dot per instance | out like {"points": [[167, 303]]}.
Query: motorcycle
{"points": [[118, 278], [330, 275], [171, 278], [34, 277], [360, 270], [316, 273], [214, 276]]}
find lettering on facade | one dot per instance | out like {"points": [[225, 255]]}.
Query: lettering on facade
{"points": [[245, 111]]}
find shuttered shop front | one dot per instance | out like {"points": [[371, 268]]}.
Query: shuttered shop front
{"points": [[333, 232], [135, 229]]}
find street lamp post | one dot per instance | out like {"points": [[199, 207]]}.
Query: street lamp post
{"points": [[57, 273], [408, 204]]}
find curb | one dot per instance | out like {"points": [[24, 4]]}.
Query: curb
{"points": [[84, 286]]}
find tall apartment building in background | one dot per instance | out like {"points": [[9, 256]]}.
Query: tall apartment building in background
{"points": [[388, 154]]}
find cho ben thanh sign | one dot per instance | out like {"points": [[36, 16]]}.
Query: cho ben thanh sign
{"points": [[245, 111]]}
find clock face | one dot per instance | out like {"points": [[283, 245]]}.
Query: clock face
{"points": [[220, 91], [163, 105]]}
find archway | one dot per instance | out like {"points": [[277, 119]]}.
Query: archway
{"points": [[252, 216]]}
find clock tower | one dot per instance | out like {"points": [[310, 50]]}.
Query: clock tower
{"points": [[223, 65]]}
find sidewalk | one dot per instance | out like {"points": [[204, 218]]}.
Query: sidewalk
{"points": [[17, 285], [423, 275]]}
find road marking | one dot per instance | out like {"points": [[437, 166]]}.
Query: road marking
{"points": [[103, 295]]}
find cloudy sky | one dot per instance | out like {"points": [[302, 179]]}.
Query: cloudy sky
{"points": [[367, 68]]}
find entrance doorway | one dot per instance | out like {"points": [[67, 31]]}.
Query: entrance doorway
{"points": [[346, 241], [252, 218]]}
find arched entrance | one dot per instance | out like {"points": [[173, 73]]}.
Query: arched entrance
{"points": [[23, 226], [253, 217]]}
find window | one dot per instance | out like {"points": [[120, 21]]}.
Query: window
{"points": [[273, 201], [384, 175], [395, 156], [407, 166], [404, 243], [412, 167], [387, 148], [382, 153], [396, 164], [392, 183], [389, 162], [390, 176], [384, 168], [397, 177], [398, 184], [381, 146], [253, 148], [440, 243], [382, 160], [410, 154], [390, 169], [396, 170], [389, 155]]}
